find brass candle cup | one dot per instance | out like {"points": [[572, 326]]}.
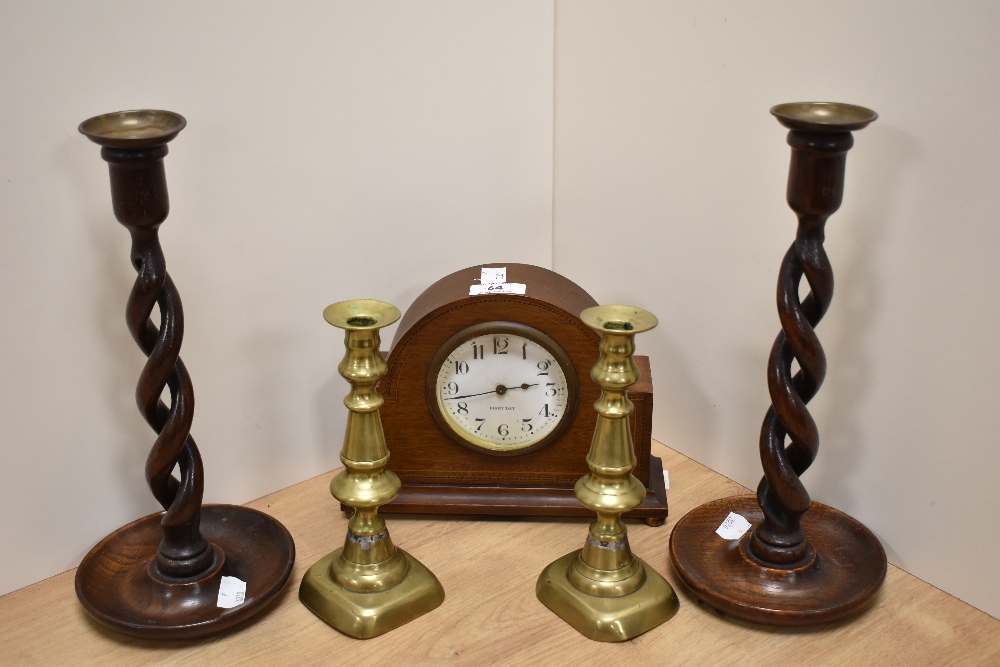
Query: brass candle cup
{"points": [[603, 590], [369, 586]]}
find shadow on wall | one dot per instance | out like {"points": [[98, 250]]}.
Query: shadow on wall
{"points": [[750, 394], [860, 288], [109, 245], [331, 416], [119, 387], [684, 417], [279, 444]]}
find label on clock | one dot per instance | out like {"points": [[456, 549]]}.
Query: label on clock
{"points": [[494, 281], [502, 391], [502, 288], [492, 276]]}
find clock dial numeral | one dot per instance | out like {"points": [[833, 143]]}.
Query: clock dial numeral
{"points": [[507, 402]]}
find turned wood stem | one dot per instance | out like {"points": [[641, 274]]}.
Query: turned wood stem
{"points": [[815, 191], [139, 197]]}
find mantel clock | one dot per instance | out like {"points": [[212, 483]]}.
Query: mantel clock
{"points": [[487, 400]]}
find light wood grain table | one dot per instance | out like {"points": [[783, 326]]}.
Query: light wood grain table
{"points": [[491, 617]]}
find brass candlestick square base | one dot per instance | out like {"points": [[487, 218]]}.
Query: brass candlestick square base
{"points": [[366, 615], [606, 619]]}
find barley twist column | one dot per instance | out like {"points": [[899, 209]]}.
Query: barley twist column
{"points": [[160, 576], [803, 562]]}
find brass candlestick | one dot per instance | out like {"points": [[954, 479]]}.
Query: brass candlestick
{"points": [[602, 590], [160, 576], [369, 586], [803, 563]]}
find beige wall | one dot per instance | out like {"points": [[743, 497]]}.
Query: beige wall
{"points": [[424, 132], [334, 150], [668, 165]]}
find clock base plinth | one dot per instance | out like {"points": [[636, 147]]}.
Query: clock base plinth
{"points": [[611, 619], [367, 615], [518, 500], [848, 568]]}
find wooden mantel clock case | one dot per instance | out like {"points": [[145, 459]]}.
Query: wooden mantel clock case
{"points": [[488, 401]]}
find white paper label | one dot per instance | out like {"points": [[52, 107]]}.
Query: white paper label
{"points": [[733, 527], [490, 276], [666, 480], [502, 288], [232, 592], [493, 280]]}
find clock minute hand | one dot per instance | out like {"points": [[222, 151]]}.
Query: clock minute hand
{"points": [[482, 393], [501, 390]]}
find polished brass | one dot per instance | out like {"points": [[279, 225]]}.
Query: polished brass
{"points": [[602, 590], [369, 586], [823, 116], [133, 129]]}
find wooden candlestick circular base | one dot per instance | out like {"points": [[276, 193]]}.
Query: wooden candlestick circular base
{"points": [[841, 575], [118, 585]]}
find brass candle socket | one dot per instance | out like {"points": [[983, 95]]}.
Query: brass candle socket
{"points": [[602, 590], [369, 586]]}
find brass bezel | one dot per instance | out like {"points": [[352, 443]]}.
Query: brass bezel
{"points": [[516, 329]]}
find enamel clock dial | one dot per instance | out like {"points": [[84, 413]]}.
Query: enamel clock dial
{"points": [[502, 388]]}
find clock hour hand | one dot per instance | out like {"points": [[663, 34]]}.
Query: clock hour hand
{"points": [[501, 390], [524, 386]]}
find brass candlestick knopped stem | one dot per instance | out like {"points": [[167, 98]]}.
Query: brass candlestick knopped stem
{"points": [[159, 577], [603, 590], [803, 563], [369, 586]]}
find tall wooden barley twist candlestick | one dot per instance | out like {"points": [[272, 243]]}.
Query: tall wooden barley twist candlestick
{"points": [[804, 562], [602, 590], [159, 577], [369, 586]]}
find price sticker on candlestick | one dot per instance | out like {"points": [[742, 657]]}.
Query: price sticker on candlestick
{"points": [[232, 592], [733, 527]]}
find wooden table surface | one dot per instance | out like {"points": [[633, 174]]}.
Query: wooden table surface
{"points": [[491, 617]]}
